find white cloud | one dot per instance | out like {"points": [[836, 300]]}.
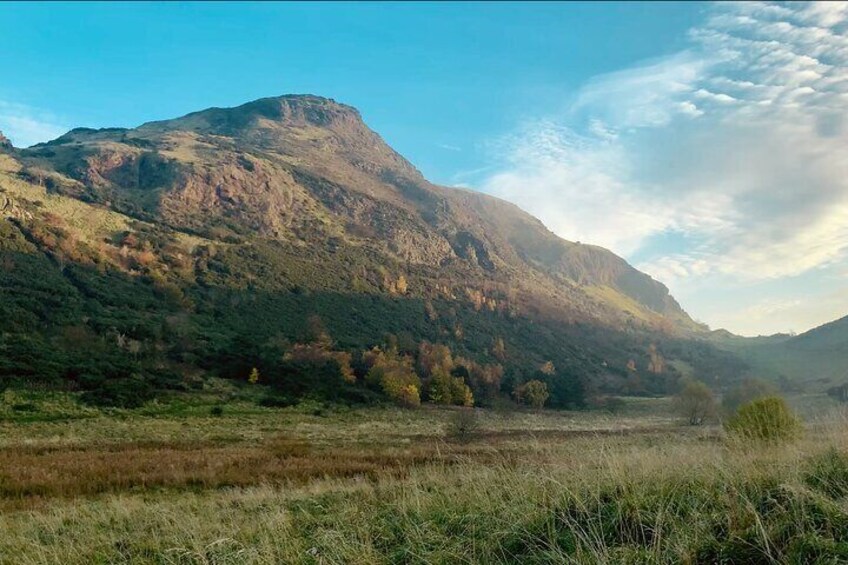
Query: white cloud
{"points": [[26, 126], [734, 143]]}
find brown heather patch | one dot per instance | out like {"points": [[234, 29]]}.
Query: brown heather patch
{"points": [[31, 474]]}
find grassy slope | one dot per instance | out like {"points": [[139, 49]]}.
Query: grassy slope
{"points": [[171, 484]]}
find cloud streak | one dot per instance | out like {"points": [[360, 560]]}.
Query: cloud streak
{"points": [[732, 147]]}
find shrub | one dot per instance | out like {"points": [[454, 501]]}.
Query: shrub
{"points": [[463, 425], [447, 389], [766, 419], [696, 402], [277, 401], [394, 376], [532, 393], [217, 411], [126, 392]]}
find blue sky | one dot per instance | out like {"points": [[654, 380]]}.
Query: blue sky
{"points": [[429, 77], [702, 142]]}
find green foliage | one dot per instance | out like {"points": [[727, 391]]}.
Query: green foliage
{"points": [[394, 376], [442, 388], [695, 402], [122, 392], [532, 393], [766, 419], [208, 312], [484, 380]]}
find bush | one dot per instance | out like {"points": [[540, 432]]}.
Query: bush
{"points": [[217, 411], [447, 389], [394, 376], [127, 392], [532, 393], [695, 402], [277, 401], [766, 419], [463, 425]]}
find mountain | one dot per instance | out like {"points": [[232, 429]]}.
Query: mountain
{"points": [[252, 218], [306, 170], [814, 360]]}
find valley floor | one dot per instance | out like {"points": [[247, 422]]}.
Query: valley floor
{"points": [[178, 483]]}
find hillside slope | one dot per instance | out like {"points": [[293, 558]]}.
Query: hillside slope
{"points": [[814, 360], [306, 170], [187, 235]]}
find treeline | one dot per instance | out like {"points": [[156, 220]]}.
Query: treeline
{"points": [[404, 373]]}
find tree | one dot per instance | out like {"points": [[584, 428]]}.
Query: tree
{"points": [[745, 392], [443, 388], [316, 332], [483, 380], [393, 375], [499, 349], [696, 402], [317, 353], [532, 393], [433, 357], [463, 425], [401, 284], [657, 362]]}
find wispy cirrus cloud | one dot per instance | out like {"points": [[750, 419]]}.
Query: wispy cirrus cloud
{"points": [[26, 126], [731, 148]]}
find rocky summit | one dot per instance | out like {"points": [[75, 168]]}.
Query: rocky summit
{"points": [[249, 220]]}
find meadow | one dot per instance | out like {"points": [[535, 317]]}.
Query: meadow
{"points": [[215, 478]]}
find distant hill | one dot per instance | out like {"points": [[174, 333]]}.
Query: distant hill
{"points": [[814, 360], [234, 225]]}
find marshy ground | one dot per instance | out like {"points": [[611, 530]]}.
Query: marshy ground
{"points": [[176, 482]]}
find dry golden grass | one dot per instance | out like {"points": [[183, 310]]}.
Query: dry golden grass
{"points": [[530, 488]]}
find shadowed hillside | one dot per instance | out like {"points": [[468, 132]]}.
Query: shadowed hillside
{"points": [[192, 237]]}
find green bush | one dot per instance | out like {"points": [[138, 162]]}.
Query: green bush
{"points": [[766, 419], [124, 392]]}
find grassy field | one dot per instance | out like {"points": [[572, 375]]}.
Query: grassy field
{"points": [[173, 483]]}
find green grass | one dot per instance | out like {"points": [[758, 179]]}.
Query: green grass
{"points": [[172, 483]]}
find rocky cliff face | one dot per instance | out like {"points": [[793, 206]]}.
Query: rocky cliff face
{"points": [[5, 144], [307, 172]]}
